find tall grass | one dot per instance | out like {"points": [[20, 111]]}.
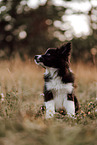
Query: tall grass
{"points": [[22, 120]]}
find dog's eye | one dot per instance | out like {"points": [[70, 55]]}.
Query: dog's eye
{"points": [[48, 54]]}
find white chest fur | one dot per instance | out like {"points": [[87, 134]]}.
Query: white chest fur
{"points": [[59, 91], [56, 84]]}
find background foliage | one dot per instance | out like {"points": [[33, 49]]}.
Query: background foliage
{"points": [[30, 31]]}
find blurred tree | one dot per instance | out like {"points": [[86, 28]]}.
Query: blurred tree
{"points": [[30, 31], [83, 45], [27, 30]]}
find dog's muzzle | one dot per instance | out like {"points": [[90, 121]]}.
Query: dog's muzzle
{"points": [[38, 58]]}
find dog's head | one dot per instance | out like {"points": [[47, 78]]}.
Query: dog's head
{"points": [[54, 57]]}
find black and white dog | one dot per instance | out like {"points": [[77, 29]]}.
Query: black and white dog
{"points": [[59, 81]]}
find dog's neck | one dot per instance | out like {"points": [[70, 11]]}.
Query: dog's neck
{"points": [[53, 72]]}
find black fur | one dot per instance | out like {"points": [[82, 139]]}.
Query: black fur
{"points": [[66, 75], [76, 104], [56, 57], [48, 96], [70, 97]]}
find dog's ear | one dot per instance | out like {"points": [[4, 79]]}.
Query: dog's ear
{"points": [[65, 49]]}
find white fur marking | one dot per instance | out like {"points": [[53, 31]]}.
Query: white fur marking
{"points": [[50, 109], [56, 84]]}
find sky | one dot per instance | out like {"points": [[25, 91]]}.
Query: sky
{"points": [[79, 23]]}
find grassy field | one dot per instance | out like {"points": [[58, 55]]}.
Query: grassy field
{"points": [[22, 122]]}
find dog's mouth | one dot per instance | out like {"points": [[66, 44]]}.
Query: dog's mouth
{"points": [[39, 60]]}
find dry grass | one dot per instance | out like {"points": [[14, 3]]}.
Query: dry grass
{"points": [[85, 73], [23, 122]]}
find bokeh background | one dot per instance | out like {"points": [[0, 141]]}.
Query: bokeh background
{"points": [[27, 28]]}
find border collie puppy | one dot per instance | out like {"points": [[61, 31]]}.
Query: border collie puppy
{"points": [[59, 81]]}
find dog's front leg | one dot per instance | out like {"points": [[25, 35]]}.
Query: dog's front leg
{"points": [[49, 104], [69, 105]]}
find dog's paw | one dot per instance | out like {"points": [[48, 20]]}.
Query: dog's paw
{"points": [[50, 109], [71, 115], [49, 114]]}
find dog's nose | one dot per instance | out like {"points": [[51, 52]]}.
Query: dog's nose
{"points": [[35, 57]]}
